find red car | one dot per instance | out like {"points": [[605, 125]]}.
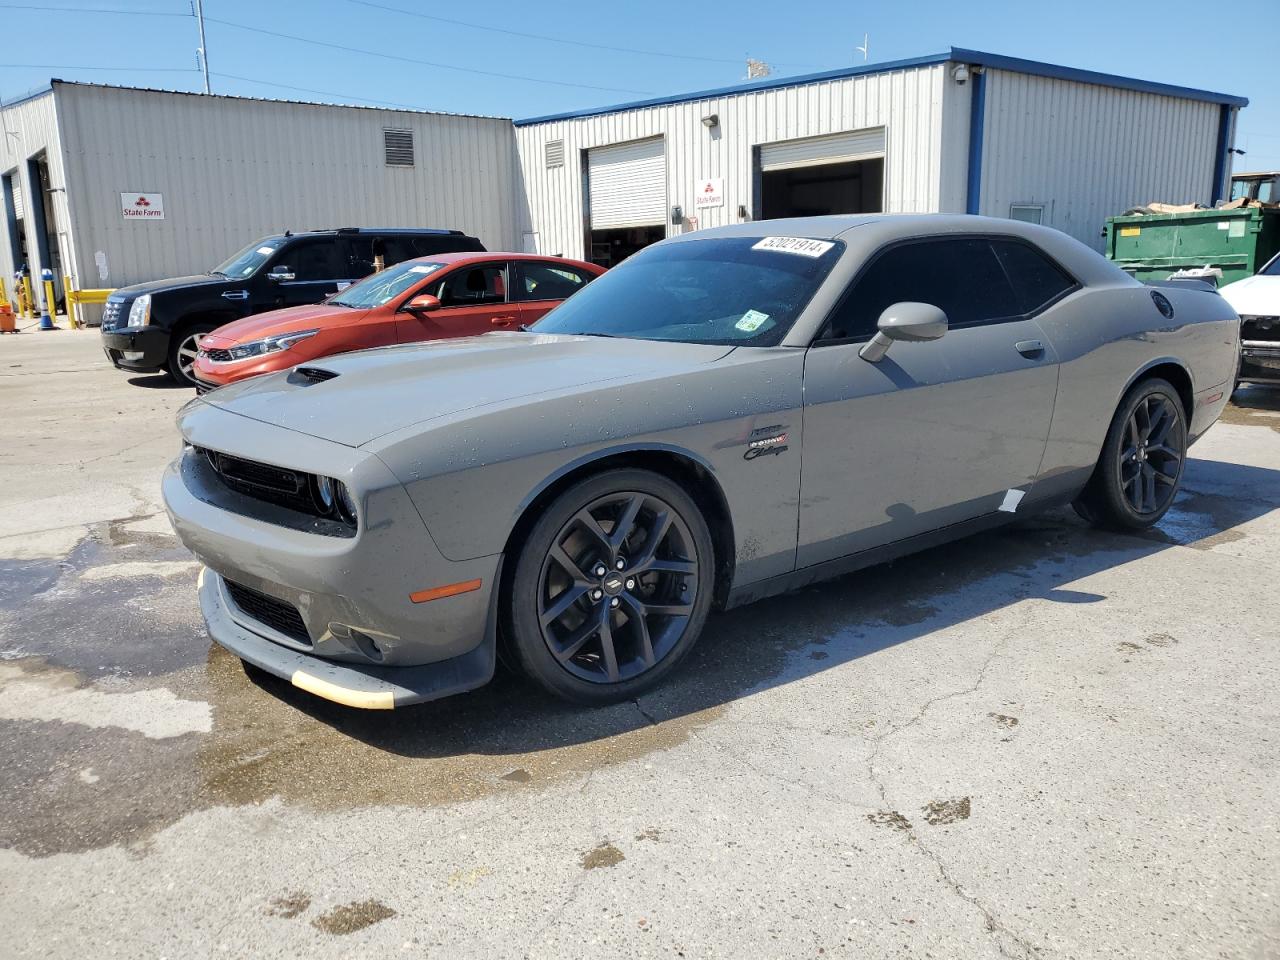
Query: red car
{"points": [[431, 298]]}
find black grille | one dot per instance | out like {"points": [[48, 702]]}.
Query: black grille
{"points": [[1260, 328], [277, 614], [113, 314], [218, 356], [262, 481]]}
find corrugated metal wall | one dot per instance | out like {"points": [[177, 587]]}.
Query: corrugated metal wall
{"points": [[29, 128], [908, 103], [231, 170], [1088, 152]]}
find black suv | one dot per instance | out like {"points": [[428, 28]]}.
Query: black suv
{"points": [[155, 326]]}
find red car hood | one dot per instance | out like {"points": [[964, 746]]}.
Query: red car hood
{"points": [[274, 322]]}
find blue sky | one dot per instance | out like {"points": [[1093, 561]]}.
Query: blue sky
{"points": [[671, 46]]}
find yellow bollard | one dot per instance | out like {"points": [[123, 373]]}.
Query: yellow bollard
{"points": [[70, 297], [49, 303], [4, 296], [28, 300]]}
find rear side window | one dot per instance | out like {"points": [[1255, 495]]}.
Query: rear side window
{"points": [[962, 276], [548, 281], [312, 260], [1036, 279]]}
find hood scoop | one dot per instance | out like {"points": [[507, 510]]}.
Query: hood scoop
{"points": [[305, 376]]}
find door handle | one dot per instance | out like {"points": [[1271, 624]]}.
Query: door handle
{"points": [[1029, 348], [496, 321]]}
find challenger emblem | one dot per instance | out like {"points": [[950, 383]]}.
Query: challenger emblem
{"points": [[766, 446]]}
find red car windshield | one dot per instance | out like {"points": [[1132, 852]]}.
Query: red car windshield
{"points": [[383, 287]]}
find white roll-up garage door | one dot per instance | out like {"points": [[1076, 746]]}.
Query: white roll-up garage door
{"points": [[627, 185], [19, 211], [815, 151]]}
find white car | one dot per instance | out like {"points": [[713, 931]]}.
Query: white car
{"points": [[1257, 300]]}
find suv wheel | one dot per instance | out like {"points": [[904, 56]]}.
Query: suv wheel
{"points": [[611, 587], [183, 346]]}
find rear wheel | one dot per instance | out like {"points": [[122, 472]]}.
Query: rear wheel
{"points": [[184, 343], [1140, 467], [611, 587]]}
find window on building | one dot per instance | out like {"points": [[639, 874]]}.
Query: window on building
{"points": [[1027, 212], [548, 281], [1036, 279], [962, 277]]}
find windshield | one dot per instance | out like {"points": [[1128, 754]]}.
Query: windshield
{"points": [[1272, 269], [247, 261], [733, 290], [385, 286]]}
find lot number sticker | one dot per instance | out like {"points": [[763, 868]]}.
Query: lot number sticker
{"points": [[751, 321], [798, 245]]}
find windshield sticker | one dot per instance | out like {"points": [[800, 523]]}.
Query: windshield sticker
{"points": [[425, 268], [266, 251], [343, 284], [798, 245], [751, 321]]}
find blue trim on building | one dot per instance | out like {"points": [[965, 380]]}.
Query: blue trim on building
{"points": [[28, 97], [953, 55], [1220, 158], [977, 124]]}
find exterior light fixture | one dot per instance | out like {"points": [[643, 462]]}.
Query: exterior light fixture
{"points": [[677, 216], [711, 121]]}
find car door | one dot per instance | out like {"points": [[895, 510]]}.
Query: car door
{"points": [[303, 272], [539, 285], [937, 432], [473, 300]]}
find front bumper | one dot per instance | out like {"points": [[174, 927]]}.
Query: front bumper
{"points": [[1259, 362], [141, 349], [360, 638]]}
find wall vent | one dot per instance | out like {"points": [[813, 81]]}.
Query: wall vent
{"points": [[555, 154], [398, 147]]}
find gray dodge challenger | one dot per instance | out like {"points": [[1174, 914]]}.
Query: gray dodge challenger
{"points": [[726, 415]]}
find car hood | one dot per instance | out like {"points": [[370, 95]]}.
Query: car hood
{"points": [[371, 393], [172, 283], [275, 322], [1254, 296]]}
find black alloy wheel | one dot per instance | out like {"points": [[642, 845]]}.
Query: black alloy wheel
{"points": [[612, 586], [1140, 468]]}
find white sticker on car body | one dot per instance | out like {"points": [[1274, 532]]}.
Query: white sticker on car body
{"points": [[751, 321], [802, 246]]}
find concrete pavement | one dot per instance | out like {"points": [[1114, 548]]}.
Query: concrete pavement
{"points": [[1041, 742]]}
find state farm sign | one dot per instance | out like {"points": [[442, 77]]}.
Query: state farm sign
{"points": [[142, 206], [709, 193]]}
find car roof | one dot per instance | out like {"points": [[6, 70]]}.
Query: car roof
{"points": [[469, 256]]}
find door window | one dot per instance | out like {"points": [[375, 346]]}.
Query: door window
{"points": [[312, 260], [474, 287], [1036, 279], [548, 281], [962, 277]]}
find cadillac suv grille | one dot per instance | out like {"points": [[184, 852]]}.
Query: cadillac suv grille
{"points": [[113, 314], [276, 614]]}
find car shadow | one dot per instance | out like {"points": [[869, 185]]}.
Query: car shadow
{"points": [[788, 638], [159, 381]]}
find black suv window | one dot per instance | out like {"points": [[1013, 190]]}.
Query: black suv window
{"points": [[311, 259], [547, 281], [360, 253], [1036, 279], [473, 287], [962, 277]]}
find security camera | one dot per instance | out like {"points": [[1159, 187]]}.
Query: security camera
{"points": [[960, 74]]}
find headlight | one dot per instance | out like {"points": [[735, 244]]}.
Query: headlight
{"points": [[258, 348], [346, 502], [333, 499], [140, 312]]}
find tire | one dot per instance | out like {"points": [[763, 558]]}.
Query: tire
{"points": [[1136, 480], [182, 345], [567, 585]]}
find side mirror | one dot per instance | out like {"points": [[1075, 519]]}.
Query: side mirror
{"points": [[423, 303], [281, 274], [912, 322]]}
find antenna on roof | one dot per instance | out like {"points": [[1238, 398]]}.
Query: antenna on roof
{"points": [[202, 55], [865, 49]]}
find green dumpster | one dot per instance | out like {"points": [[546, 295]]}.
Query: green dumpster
{"points": [[1237, 242]]}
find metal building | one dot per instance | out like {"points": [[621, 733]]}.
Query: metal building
{"points": [[214, 173], [962, 131]]}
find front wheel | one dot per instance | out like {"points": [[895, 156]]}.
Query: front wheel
{"points": [[184, 344], [1140, 467], [611, 587]]}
